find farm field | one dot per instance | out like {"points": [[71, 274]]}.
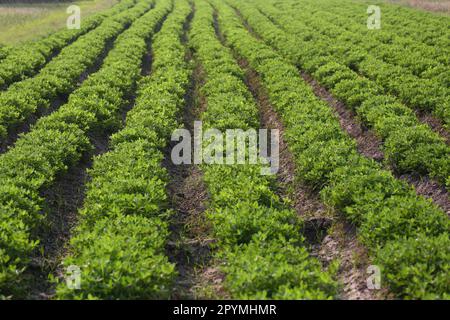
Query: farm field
{"points": [[227, 149], [25, 21]]}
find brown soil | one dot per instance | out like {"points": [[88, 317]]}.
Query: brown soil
{"points": [[342, 244], [368, 143], [431, 189], [247, 25], [189, 245], [62, 201], [306, 200]]}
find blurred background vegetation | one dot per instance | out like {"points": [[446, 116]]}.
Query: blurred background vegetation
{"points": [[25, 20], [439, 6]]}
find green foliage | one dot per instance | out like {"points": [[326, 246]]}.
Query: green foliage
{"points": [[361, 186], [119, 243], [364, 84], [258, 236], [414, 144], [399, 217], [264, 269], [120, 258], [417, 267], [402, 66]]}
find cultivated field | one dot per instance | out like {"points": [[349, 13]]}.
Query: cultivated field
{"points": [[119, 179], [29, 20]]}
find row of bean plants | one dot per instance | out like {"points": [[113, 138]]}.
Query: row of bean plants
{"points": [[258, 237], [126, 209]]}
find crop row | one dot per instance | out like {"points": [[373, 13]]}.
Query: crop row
{"points": [[361, 53], [410, 26], [25, 60], [258, 237], [385, 44], [407, 236], [126, 208], [59, 140], [61, 75], [409, 146]]}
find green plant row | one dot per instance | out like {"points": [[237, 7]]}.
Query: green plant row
{"points": [[258, 237], [415, 29], [413, 55], [409, 146], [25, 60], [396, 225], [126, 209], [62, 74], [59, 140], [363, 54]]}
